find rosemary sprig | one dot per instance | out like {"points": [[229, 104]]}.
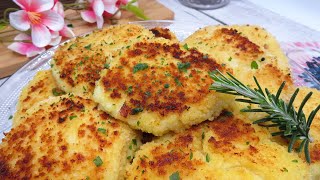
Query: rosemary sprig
{"points": [[292, 125]]}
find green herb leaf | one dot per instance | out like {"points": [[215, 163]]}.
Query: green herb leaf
{"points": [[72, 117], [129, 90], [88, 47], [136, 111], [166, 86], [202, 136], [207, 158], [174, 176], [138, 123], [177, 81], [183, 66], [254, 65], [191, 156], [102, 130], [134, 141], [230, 58], [98, 161], [135, 10], [72, 46], [292, 124], [185, 46], [140, 67], [106, 66], [10, 117], [295, 161], [57, 92]]}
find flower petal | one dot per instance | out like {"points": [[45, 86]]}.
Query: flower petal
{"points": [[66, 32], [25, 48], [23, 4], [98, 7], [19, 20], [22, 37], [88, 16], [100, 21], [55, 41], [40, 35], [58, 8], [53, 20], [41, 5], [110, 6], [54, 34]]}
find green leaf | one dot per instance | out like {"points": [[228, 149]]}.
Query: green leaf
{"points": [[185, 46], [98, 161], [10, 117], [191, 155], [183, 66], [102, 130], [254, 65], [207, 158], [136, 111], [140, 67], [57, 92], [88, 47], [166, 86], [72, 117], [135, 10], [174, 176], [3, 25]]}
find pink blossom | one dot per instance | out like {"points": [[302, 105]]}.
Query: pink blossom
{"points": [[37, 15], [65, 31], [94, 12], [25, 48]]}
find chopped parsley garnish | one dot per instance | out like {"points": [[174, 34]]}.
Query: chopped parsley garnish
{"points": [[247, 143], [202, 136], [285, 169], [166, 86], [185, 46], [10, 117], [87, 178], [51, 65], [139, 37], [191, 155], [228, 113], [177, 81], [72, 46], [134, 141], [136, 111], [72, 117], [138, 123], [140, 67], [174, 176], [183, 66], [57, 92], [107, 66], [88, 47], [295, 161], [129, 157], [102, 130], [84, 88], [129, 90], [148, 94], [207, 158], [254, 65], [98, 161], [230, 58]]}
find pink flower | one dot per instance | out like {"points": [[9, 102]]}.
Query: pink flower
{"points": [[37, 15], [94, 13], [25, 48], [65, 31], [110, 6]]}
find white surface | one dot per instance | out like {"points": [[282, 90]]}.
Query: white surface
{"points": [[303, 12]]}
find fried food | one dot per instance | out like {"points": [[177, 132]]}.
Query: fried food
{"points": [[159, 86], [77, 64], [164, 33], [41, 87], [247, 51], [66, 137], [229, 147]]}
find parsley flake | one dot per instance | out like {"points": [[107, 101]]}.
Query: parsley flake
{"points": [[10, 117], [98, 161], [88, 47], [129, 90], [191, 155], [185, 46], [136, 111], [295, 161], [254, 65], [177, 81], [230, 58], [72, 46], [183, 66], [138, 123], [72, 117], [166, 86], [134, 141], [57, 92], [174, 176], [140, 67], [207, 158], [102, 130], [106, 66]]}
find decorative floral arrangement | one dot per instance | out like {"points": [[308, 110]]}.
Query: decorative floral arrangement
{"points": [[42, 22]]}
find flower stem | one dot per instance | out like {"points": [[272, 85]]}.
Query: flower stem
{"points": [[6, 12]]}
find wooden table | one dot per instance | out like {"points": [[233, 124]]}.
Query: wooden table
{"points": [[243, 12]]}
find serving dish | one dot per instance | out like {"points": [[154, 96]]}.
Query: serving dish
{"points": [[11, 89]]}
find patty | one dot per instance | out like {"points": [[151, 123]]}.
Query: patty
{"points": [[228, 148], [76, 65], [41, 87], [67, 137], [159, 86], [247, 51]]}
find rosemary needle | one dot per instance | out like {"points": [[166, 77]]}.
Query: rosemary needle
{"points": [[292, 124]]}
